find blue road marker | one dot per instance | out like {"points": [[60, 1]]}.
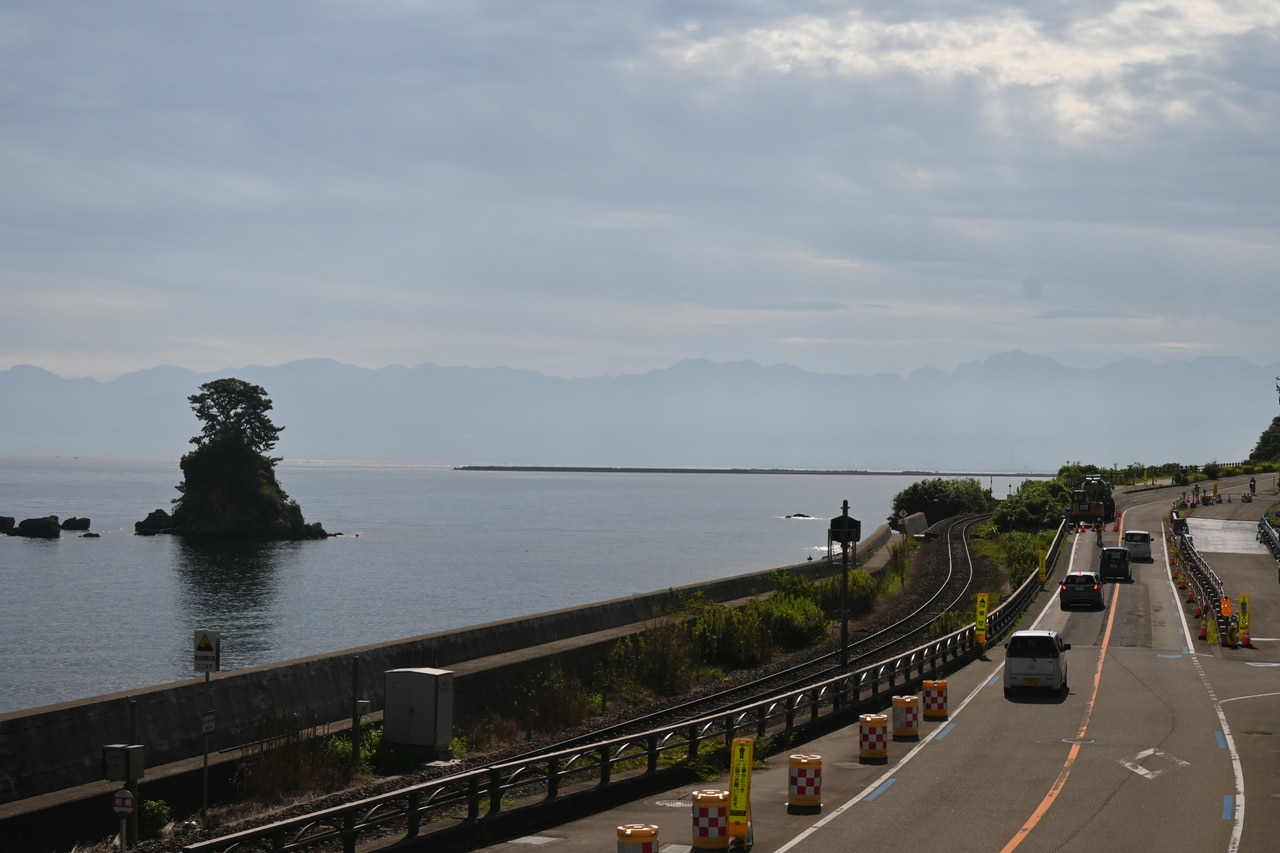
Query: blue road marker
{"points": [[1228, 807], [878, 791], [1222, 741]]}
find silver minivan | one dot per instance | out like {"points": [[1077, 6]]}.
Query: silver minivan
{"points": [[1139, 544], [1035, 659]]}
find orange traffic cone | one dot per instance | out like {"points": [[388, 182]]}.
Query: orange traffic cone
{"points": [[1204, 632], [1244, 638]]}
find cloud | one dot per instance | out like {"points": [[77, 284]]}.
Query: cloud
{"points": [[1094, 77], [585, 188]]}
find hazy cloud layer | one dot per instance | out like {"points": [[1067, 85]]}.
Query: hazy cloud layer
{"points": [[580, 189]]}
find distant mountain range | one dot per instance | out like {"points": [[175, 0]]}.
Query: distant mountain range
{"points": [[1012, 412]]}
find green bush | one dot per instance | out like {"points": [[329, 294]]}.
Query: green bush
{"points": [[286, 757], [666, 658], [792, 585], [553, 701], [863, 592], [375, 756], [153, 817], [789, 621], [731, 638]]}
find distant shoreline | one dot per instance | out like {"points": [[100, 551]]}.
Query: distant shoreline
{"points": [[848, 472]]}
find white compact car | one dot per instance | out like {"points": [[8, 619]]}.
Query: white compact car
{"points": [[1035, 659]]}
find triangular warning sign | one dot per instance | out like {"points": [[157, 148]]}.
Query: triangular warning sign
{"points": [[204, 645]]}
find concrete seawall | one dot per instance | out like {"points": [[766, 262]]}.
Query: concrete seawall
{"points": [[59, 746]]}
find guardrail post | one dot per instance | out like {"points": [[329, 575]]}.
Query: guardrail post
{"points": [[762, 720], [652, 747], [473, 797], [553, 777], [693, 741], [413, 820], [495, 792], [790, 705], [606, 766], [349, 832]]}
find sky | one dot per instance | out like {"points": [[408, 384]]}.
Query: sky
{"points": [[586, 189]]}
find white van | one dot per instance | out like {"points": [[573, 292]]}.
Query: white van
{"points": [[1035, 659], [1139, 544]]}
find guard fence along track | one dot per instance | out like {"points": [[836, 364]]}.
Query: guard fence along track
{"points": [[475, 807]]}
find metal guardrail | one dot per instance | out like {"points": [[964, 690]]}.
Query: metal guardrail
{"points": [[1268, 537], [1199, 572], [467, 804]]}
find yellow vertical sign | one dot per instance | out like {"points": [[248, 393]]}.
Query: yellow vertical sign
{"points": [[1044, 566], [980, 621], [740, 758], [1244, 613]]}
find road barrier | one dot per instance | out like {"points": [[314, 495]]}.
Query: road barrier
{"points": [[804, 781], [638, 838], [906, 717], [711, 820], [935, 700], [873, 737]]}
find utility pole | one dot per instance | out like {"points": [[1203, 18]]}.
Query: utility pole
{"points": [[847, 531]]}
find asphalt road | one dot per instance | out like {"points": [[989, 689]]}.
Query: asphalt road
{"points": [[1163, 741]]}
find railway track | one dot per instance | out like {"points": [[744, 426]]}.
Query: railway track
{"points": [[942, 582]]}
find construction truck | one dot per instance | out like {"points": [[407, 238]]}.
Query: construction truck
{"points": [[1091, 502]]}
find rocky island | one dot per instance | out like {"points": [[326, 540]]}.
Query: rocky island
{"points": [[229, 488]]}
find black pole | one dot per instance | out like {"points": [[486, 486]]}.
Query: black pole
{"points": [[844, 589], [844, 605], [355, 714], [133, 784], [204, 736]]}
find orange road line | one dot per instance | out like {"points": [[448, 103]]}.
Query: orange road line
{"points": [[1065, 773]]}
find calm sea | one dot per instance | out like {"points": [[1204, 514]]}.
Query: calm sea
{"points": [[424, 548]]}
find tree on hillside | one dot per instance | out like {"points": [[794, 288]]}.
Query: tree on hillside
{"points": [[1074, 472], [1268, 448], [232, 409], [1037, 505], [941, 498]]}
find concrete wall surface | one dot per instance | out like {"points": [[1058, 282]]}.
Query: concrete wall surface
{"points": [[60, 746]]}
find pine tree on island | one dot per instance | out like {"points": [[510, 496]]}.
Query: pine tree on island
{"points": [[229, 488]]}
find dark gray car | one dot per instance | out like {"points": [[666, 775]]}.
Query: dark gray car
{"points": [[1113, 564], [1080, 588]]}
